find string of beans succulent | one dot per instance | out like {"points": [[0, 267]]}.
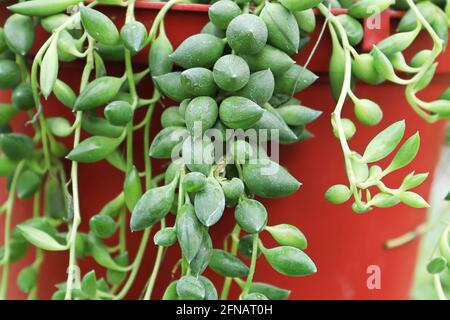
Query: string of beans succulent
{"points": [[234, 85]]}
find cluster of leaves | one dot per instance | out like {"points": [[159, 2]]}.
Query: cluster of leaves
{"points": [[376, 67], [246, 80]]}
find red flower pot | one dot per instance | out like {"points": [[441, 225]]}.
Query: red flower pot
{"points": [[346, 247]]}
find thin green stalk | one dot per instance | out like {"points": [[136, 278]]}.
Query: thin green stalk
{"points": [[74, 177], [336, 115], [251, 272], [7, 231], [160, 16], [156, 267], [135, 266], [234, 248]]}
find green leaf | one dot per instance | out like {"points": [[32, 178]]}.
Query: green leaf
{"points": [[200, 50], [413, 200], [28, 184], [288, 235], [384, 143], [94, 149], [49, 69], [437, 265], [405, 154], [103, 226], [245, 247], [203, 256], [99, 252], [16, 146], [39, 8], [268, 179], [154, 205], [283, 30], [165, 142], [190, 288], [338, 193], [165, 237], [189, 232], [210, 289], [210, 203], [159, 62], [132, 188], [134, 36], [89, 285], [227, 265], [27, 279], [40, 238], [19, 33], [290, 261], [413, 180], [270, 291], [255, 296], [194, 182], [99, 26], [59, 126], [98, 92], [117, 277], [171, 291], [251, 215]]}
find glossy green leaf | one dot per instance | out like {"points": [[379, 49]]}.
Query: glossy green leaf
{"points": [[40, 238], [210, 203], [251, 215], [288, 235], [189, 232], [154, 205], [94, 149], [99, 26], [384, 143], [290, 261], [227, 265]]}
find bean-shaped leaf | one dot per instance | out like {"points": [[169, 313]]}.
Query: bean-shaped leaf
{"points": [[268, 179], [412, 199], [99, 26], [49, 69], [288, 235], [190, 288], [19, 33], [99, 252], [98, 92], [290, 261], [159, 62], [89, 284], [132, 188], [251, 215], [40, 238], [94, 149], [384, 143], [189, 232], [203, 256], [39, 8], [210, 203], [227, 265], [405, 154], [166, 140], [153, 206]]}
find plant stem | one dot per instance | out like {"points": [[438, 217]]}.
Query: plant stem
{"points": [[7, 231], [251, 272], [74, 177], [135, 266], [234, 248], [156, 267], [336, 116]]}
